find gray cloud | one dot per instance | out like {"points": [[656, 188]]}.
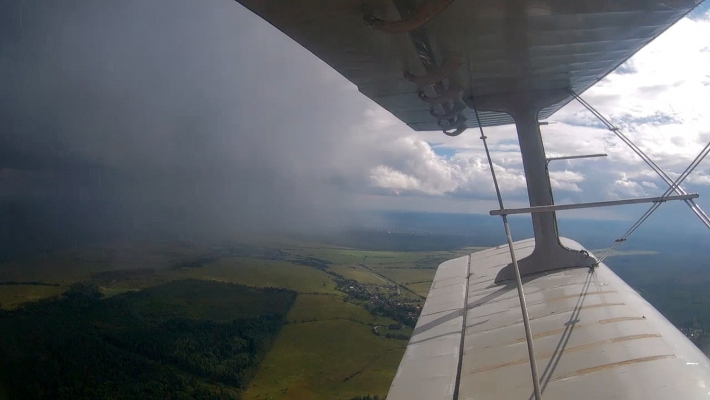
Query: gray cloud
{"points": [[171, 115]]}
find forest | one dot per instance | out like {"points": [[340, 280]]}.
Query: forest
{"points": [[156, 343]]}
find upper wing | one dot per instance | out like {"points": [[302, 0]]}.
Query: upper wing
{"points": [[466, 47], [594, 338]]}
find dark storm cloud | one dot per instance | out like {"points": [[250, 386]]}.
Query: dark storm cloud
{"points": [[169, 115]]}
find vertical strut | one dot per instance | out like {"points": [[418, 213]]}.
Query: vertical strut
{"points": [[518, 279], [549, 252]]}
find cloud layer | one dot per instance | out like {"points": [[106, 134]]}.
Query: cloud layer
{"points": [[194, 118]]}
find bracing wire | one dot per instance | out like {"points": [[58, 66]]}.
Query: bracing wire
{"points": [[674, 186], [655, 206], [694, 207]]}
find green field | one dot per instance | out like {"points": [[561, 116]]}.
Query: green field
{"points": [[421, 289], [357, 273], [333, 359], [263, 273], [11, 296], [406, 276], [309, 307]]}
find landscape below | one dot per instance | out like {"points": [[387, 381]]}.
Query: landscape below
{"points": [[283, 318]]}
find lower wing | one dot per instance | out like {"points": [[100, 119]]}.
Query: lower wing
{"points": [[594, 338]]}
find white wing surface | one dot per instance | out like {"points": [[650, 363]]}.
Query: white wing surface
{"points": [[594, 336]]}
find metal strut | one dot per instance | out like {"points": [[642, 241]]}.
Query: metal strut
{"points": [[594, 204], [518, 279]]}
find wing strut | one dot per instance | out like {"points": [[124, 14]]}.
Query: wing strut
{"points": [[575, 206], [518, 280]]}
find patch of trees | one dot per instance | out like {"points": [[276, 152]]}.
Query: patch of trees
{"points": [[82, 291], [86, 347], [366, 397]]}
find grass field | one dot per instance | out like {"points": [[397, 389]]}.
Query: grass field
{"points": [[12, 296], [333, 359], [421, 289], [357, 273], [263, 273], [309, 307], [350, 256], [406, 276]]}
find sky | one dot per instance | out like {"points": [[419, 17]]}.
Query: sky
{"points": [[200, 118]]}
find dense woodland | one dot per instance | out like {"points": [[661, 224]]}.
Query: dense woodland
{"points": [[137, 345]]}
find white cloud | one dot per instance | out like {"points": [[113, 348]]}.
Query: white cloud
{"points": [[630, 188], [649, 185], [386, 177], [566, 180]]}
